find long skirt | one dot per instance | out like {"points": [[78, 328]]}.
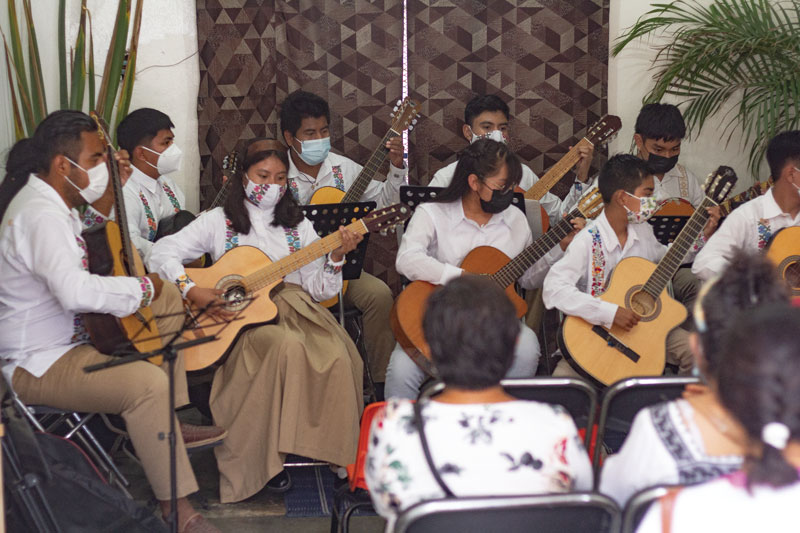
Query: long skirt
{"points": [[291, 387]]}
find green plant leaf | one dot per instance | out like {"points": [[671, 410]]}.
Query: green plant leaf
{"points": [[78, 86], [113, 67], [130, 71], [90, 64], [18, 64], [38, 98], [63, 94], [19, 132]]}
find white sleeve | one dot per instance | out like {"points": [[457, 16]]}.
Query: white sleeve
{"points": [[721, 247], [534, 277], [321, 278], [413, 258], [387, 192], [136, 219], [442, 177]]}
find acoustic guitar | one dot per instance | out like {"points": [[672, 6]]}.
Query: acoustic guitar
{"points": [[783, 249], [409, 307], [608, 355], [246, 276], [683, 208], [111, 253]]}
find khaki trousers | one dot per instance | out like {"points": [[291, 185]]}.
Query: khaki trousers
{"points": [[139, 392], [373, 298]]}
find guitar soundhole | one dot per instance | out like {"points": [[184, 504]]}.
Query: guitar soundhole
{"points": [[642, 303], [234, 293], [791, 273]]}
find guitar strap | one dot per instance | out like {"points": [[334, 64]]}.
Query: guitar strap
{"points": [[419, 422], [683, 182]]}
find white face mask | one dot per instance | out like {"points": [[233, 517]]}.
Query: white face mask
{"points": [[98, 181], [795, 186], [264, 195], [495, 135], [647, 206], [168, 161]]}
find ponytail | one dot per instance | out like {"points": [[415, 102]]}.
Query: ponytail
{"points": [[21, 162]]}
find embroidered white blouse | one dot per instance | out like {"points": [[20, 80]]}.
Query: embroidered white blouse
{"points": [[508, 448], [210, 233], [46, 283], [749, 228]]}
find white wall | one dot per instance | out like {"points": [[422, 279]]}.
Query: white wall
{"points": [[168, 37], [629, 79]]}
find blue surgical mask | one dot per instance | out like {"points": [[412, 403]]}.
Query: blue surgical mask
{"points": [[314, 151]]}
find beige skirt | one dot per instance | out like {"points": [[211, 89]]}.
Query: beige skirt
{"points": [[291, 387]]}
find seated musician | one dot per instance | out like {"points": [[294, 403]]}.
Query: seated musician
{"points": [[44, 345], [751, 226], [573, 285], [305, 126], [482, 441], [474, 210], [293, 386], [489, 116]]}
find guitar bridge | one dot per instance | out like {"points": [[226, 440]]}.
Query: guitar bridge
{"points": [[615, 343]]}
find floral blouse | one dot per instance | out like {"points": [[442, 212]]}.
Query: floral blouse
{"points": [[508, 448]]}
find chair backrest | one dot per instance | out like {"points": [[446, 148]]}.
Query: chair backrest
{"points": [[638, 505], [575, 395], [622, 400], [546, 513], [355, 471]]}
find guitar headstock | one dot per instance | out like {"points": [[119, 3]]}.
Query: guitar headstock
{"points": [[230, 164], [385, 220], [603, 130], [102, 129], [719, 183], [405, 115], [591, 204]]}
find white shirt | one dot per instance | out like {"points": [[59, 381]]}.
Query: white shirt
{"points": [[676, 184], [340, 172], [726, 505], [555, 206], [587, 264], [664, 447], [45, 283], [748, 228], [209, 233], [439, 236], [507, 448]]}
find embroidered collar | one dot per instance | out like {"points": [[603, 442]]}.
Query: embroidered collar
{"points": [[143, 180]]}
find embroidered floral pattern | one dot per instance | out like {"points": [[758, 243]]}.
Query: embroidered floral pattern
{"points": [[338, 177], [151, 220], [293, 238], [79, 333], [764, 233], [231, 236], [172, 198], [294, 190], [257, 193], [332, 269], [183, 283], [598, 264], [91, 218], [147, 290]]}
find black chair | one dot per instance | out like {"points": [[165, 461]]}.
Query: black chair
{"points": [[547, 513], [638, 506]]}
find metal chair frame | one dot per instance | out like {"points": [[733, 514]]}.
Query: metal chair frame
{"points": [[639, 504]]}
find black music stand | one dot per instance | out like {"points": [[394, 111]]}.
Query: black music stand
{"points": [[666, 228], [413, 195]]}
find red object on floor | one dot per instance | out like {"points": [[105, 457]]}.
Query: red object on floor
{"points": [[592, 443], [355, 471]]}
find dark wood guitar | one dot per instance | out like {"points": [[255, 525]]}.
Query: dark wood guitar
{"points": [[111, 253], [783, 250], [608, 355], [247, 275], [409, 307]]}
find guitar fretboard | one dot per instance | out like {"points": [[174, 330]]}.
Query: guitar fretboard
{"points": [[556, 172], [364, 177]]}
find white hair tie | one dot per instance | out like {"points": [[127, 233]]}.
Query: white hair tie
{"points": [[776, 434]]}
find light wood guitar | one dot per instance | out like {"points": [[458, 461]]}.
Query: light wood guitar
{"points": [[246, 276], [681, 207], [783, 250], [409, 307], [608, 355]]}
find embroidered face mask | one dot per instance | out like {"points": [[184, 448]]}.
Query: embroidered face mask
{"points": [[495, 135], [264, 195], [98, 181], [647, 206], [795, 186], [314, 151], [168, 161]]}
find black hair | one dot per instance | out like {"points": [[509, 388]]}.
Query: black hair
{"points": [[622, 171], [760, 384], [300, 105], [784, 148], [287, 212], [60, 134], [484, 158], [481, 103], [748, 282], [140, 126], [22, 160], [660, 121], [471, 327]]}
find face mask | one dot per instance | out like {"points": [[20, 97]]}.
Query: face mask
{"points": [[264, 195], [795, 186], [647, 206], [658, 164], [98, 181], [314, 151], [168, 161], [499, 202], [495, 135]]}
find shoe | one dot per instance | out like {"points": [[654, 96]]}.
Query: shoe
{"points": [[280, 483], [198, 524], [196, 436]]}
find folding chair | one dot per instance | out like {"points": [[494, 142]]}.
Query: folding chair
{"points": [[638, 505], [547, 513]]}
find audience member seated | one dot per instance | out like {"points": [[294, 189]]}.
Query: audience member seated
{"points": [[759, 385], [481, 440], [693, 440]]}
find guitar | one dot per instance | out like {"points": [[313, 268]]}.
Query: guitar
{"points": [[111, 254], [409, 307], [606, 356], [783, 249], [683, 208], [247, 275]]}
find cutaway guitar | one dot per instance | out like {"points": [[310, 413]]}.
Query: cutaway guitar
{"points": [[783, 250]]}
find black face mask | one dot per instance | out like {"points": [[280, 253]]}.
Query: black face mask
{"points": [[658, 164], [499, 202]]}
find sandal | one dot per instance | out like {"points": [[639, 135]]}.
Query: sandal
{"points": [[197, 523], [281, 482]]}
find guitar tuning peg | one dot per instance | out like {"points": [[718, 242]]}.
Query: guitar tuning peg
{"points": [[410, 128], [383, 232], [399, 102], [414, 121]]}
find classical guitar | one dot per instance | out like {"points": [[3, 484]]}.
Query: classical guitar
{"points": [[246, 276], [783, 249], [111, 253], [681, 207], [409, 307], [608, 355]]}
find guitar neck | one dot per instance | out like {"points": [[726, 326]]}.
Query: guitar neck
{"points": [[121, 216], [753, 192], [364, 177], [556, 172], [222, 195]]}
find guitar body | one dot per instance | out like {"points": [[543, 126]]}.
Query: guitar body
{"points": [[784, 251], [225, 274], [409, 307], [111, 334], [675, 207], [590, 354]]}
